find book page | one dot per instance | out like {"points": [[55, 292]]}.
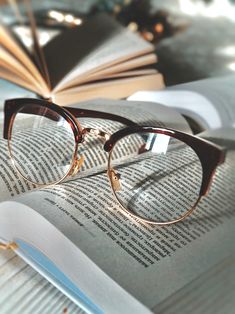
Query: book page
{"points": [[210, 102], [95, 158], [18, 52], [203, 295], [10, 64], [115, 88], [218, 91], [12, 77], [135, 64], [104, 42], [24, 288], [77, 279], [149, 262], [131, 73]]}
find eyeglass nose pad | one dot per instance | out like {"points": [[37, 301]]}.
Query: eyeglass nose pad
{"points": [[76, 166], [115, 180]]}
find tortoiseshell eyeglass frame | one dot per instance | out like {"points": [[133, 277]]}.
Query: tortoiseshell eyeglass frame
{"points": [[210, 154]]}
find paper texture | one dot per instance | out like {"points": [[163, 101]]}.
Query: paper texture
{"points": [[149, 263], [23, 290], [210, 102], [145, 258]]}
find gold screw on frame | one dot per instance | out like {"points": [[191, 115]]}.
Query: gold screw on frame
{"points": [[115, 179]]}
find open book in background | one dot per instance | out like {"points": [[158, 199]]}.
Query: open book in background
{"points": [[135, 267], [207, 104], [99, 58]]}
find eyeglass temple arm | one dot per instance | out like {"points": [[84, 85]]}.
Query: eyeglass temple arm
{"points": [[209, 164], [86, 113]]}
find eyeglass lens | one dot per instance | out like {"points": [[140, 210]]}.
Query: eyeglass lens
{"points": [[160, 180], [42, 144]]}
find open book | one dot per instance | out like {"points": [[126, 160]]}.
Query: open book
{"points": [[100, 58], [75, 235]]}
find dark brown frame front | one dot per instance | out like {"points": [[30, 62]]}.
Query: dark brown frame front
{"points": [[12, 106]]}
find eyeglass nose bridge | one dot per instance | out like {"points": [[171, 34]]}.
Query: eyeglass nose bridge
{"points": [[96, 132]]}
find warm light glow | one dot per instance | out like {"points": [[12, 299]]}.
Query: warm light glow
{"points": [[215, 9], [78, 21], [158, 28], [231, 66], [133, 26], [117, 9], [69, 18], [56, 15], [148, 36]]}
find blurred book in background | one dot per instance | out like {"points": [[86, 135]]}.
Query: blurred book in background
{"points": [[98, 58]]}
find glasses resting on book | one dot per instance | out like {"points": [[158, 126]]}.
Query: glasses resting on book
{"points": [[157, 175]]}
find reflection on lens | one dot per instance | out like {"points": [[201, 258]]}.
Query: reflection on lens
{"points": [[41, 145], [161, 178]]}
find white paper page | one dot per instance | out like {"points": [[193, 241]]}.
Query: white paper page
{"points": [[208, 101], [23, 290], [187, 102], [151, 263], [99, 293], [204, 295]]}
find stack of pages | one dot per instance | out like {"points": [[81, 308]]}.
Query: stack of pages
{"points": [[97, 59]]}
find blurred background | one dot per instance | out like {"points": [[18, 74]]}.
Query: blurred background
{"points": [[194, 39]]}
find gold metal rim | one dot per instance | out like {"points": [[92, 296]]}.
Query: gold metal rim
{"points": [[139, 218], [73, 160]]}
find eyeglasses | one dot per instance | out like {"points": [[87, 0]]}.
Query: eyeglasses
{"points": [[157, 175]]}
